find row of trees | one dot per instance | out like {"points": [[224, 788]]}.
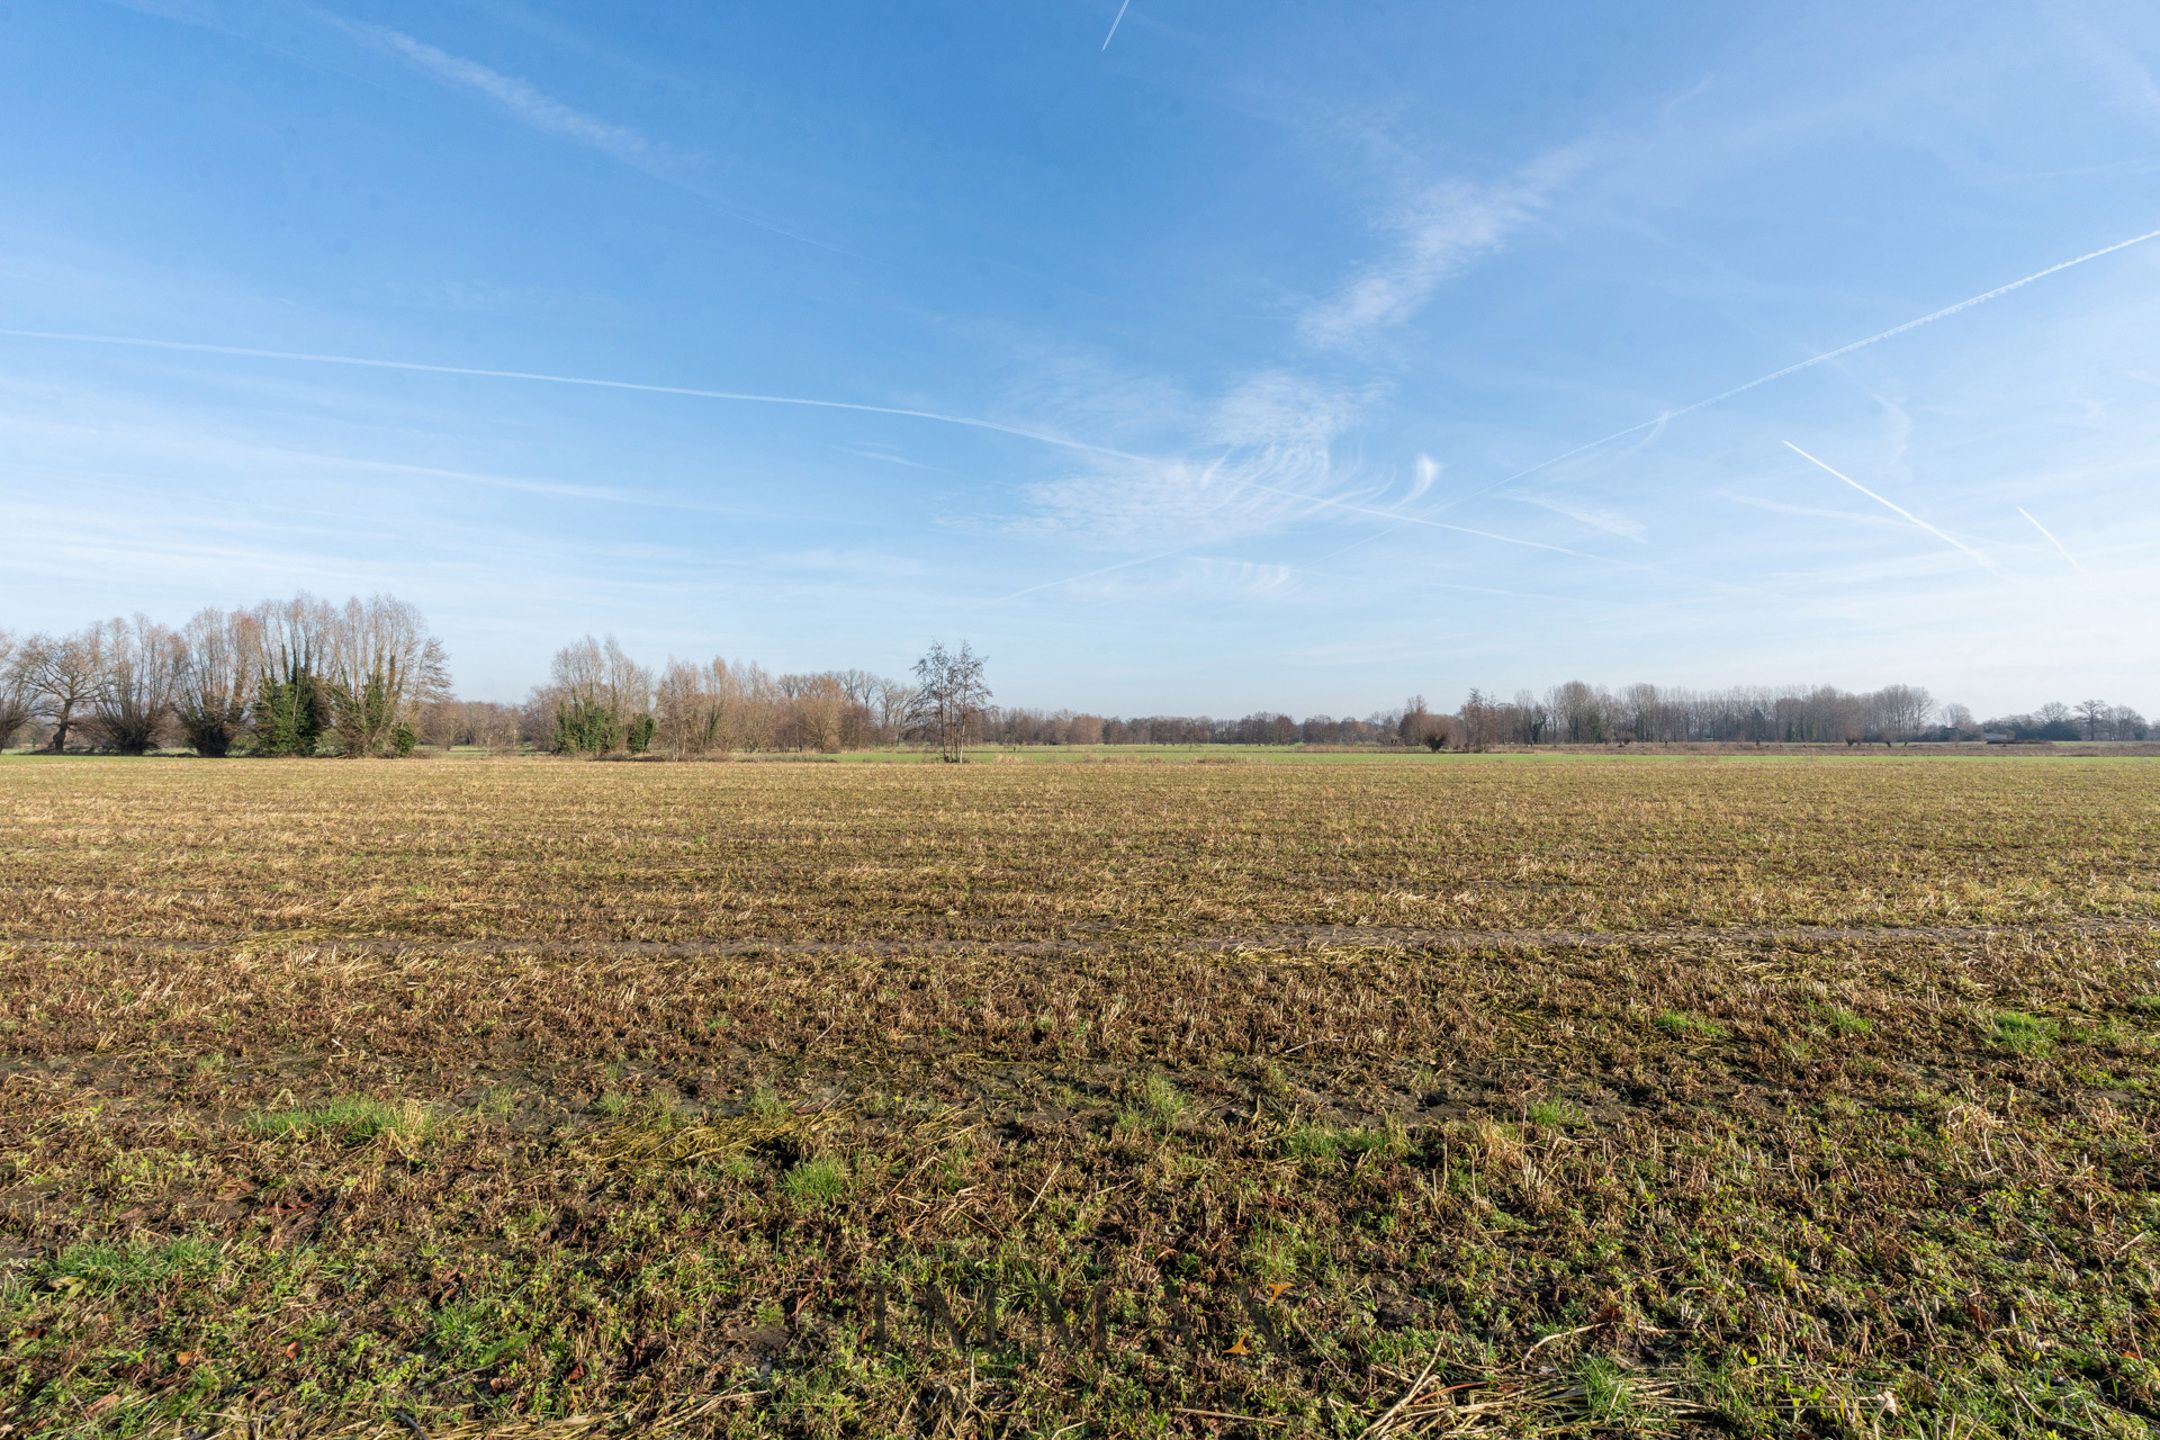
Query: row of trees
{"points": [[304, 676], [1577, 713], [293, 677], [1014, 726], [599, 701], [2086, 720]]}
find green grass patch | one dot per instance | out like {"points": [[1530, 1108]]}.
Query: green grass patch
{"points": [[1159, 1106], [354, 1119], [1683, 1026], [1554, 1114], [131, 1268], [817, 1182], [1840, 1021], [2026, 1034]]}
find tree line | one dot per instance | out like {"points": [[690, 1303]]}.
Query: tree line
{"points": [[365, 678], [292, 677], [599, 701], [1577, 713]]}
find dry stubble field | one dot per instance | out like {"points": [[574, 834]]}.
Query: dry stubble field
{"points": [[1796, 1097]]}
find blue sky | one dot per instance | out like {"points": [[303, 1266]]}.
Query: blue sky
{"points": [[1267, 355]]}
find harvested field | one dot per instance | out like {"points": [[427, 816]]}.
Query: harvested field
{"points": [[1443, 1096]]}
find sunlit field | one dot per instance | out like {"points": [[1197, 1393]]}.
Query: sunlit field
{"points": [[1433, 1095]]}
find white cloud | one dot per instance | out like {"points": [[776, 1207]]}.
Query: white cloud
{"points": [[1428, 470], [521, 100], [1439, 234], [1267, 463]]}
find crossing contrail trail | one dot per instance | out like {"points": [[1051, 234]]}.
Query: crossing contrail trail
{"points": [[2060, 548], [361, 362], [1810, 363], [1896, 509], [1331, 503], [1118, 20]]}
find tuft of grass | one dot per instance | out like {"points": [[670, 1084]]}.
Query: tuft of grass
{"points": [[816, 1182], [354, 1119], [2149, 1004], [103, 1268], [1605, 1394], [1554, 1114], [1683, 1026], [1161, 1104], [2026, 1034], [1841, 1021]]}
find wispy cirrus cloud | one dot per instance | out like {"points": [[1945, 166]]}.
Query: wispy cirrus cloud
{"points": [[1428, 470], [1612, 522], [520, 99], [1260, 460], [534, 108], [1438, 233]]}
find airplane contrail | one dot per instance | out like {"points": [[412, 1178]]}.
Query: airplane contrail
{"points": [[1091, 574], [1808, 364], [2060, 548], [1894, 508], [971, 422], [1357, 509], [1117, 21]]}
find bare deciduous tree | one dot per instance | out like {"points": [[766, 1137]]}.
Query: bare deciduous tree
{"points": [[696, 708], [1900, 711], [950, 692], [816, 711], [382, 664], [1420, 726], [218, 679], [893, 698], [14, 689], [1480, 720], [138, 672], [600, 700], [60, 678], [1531, 717]]}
